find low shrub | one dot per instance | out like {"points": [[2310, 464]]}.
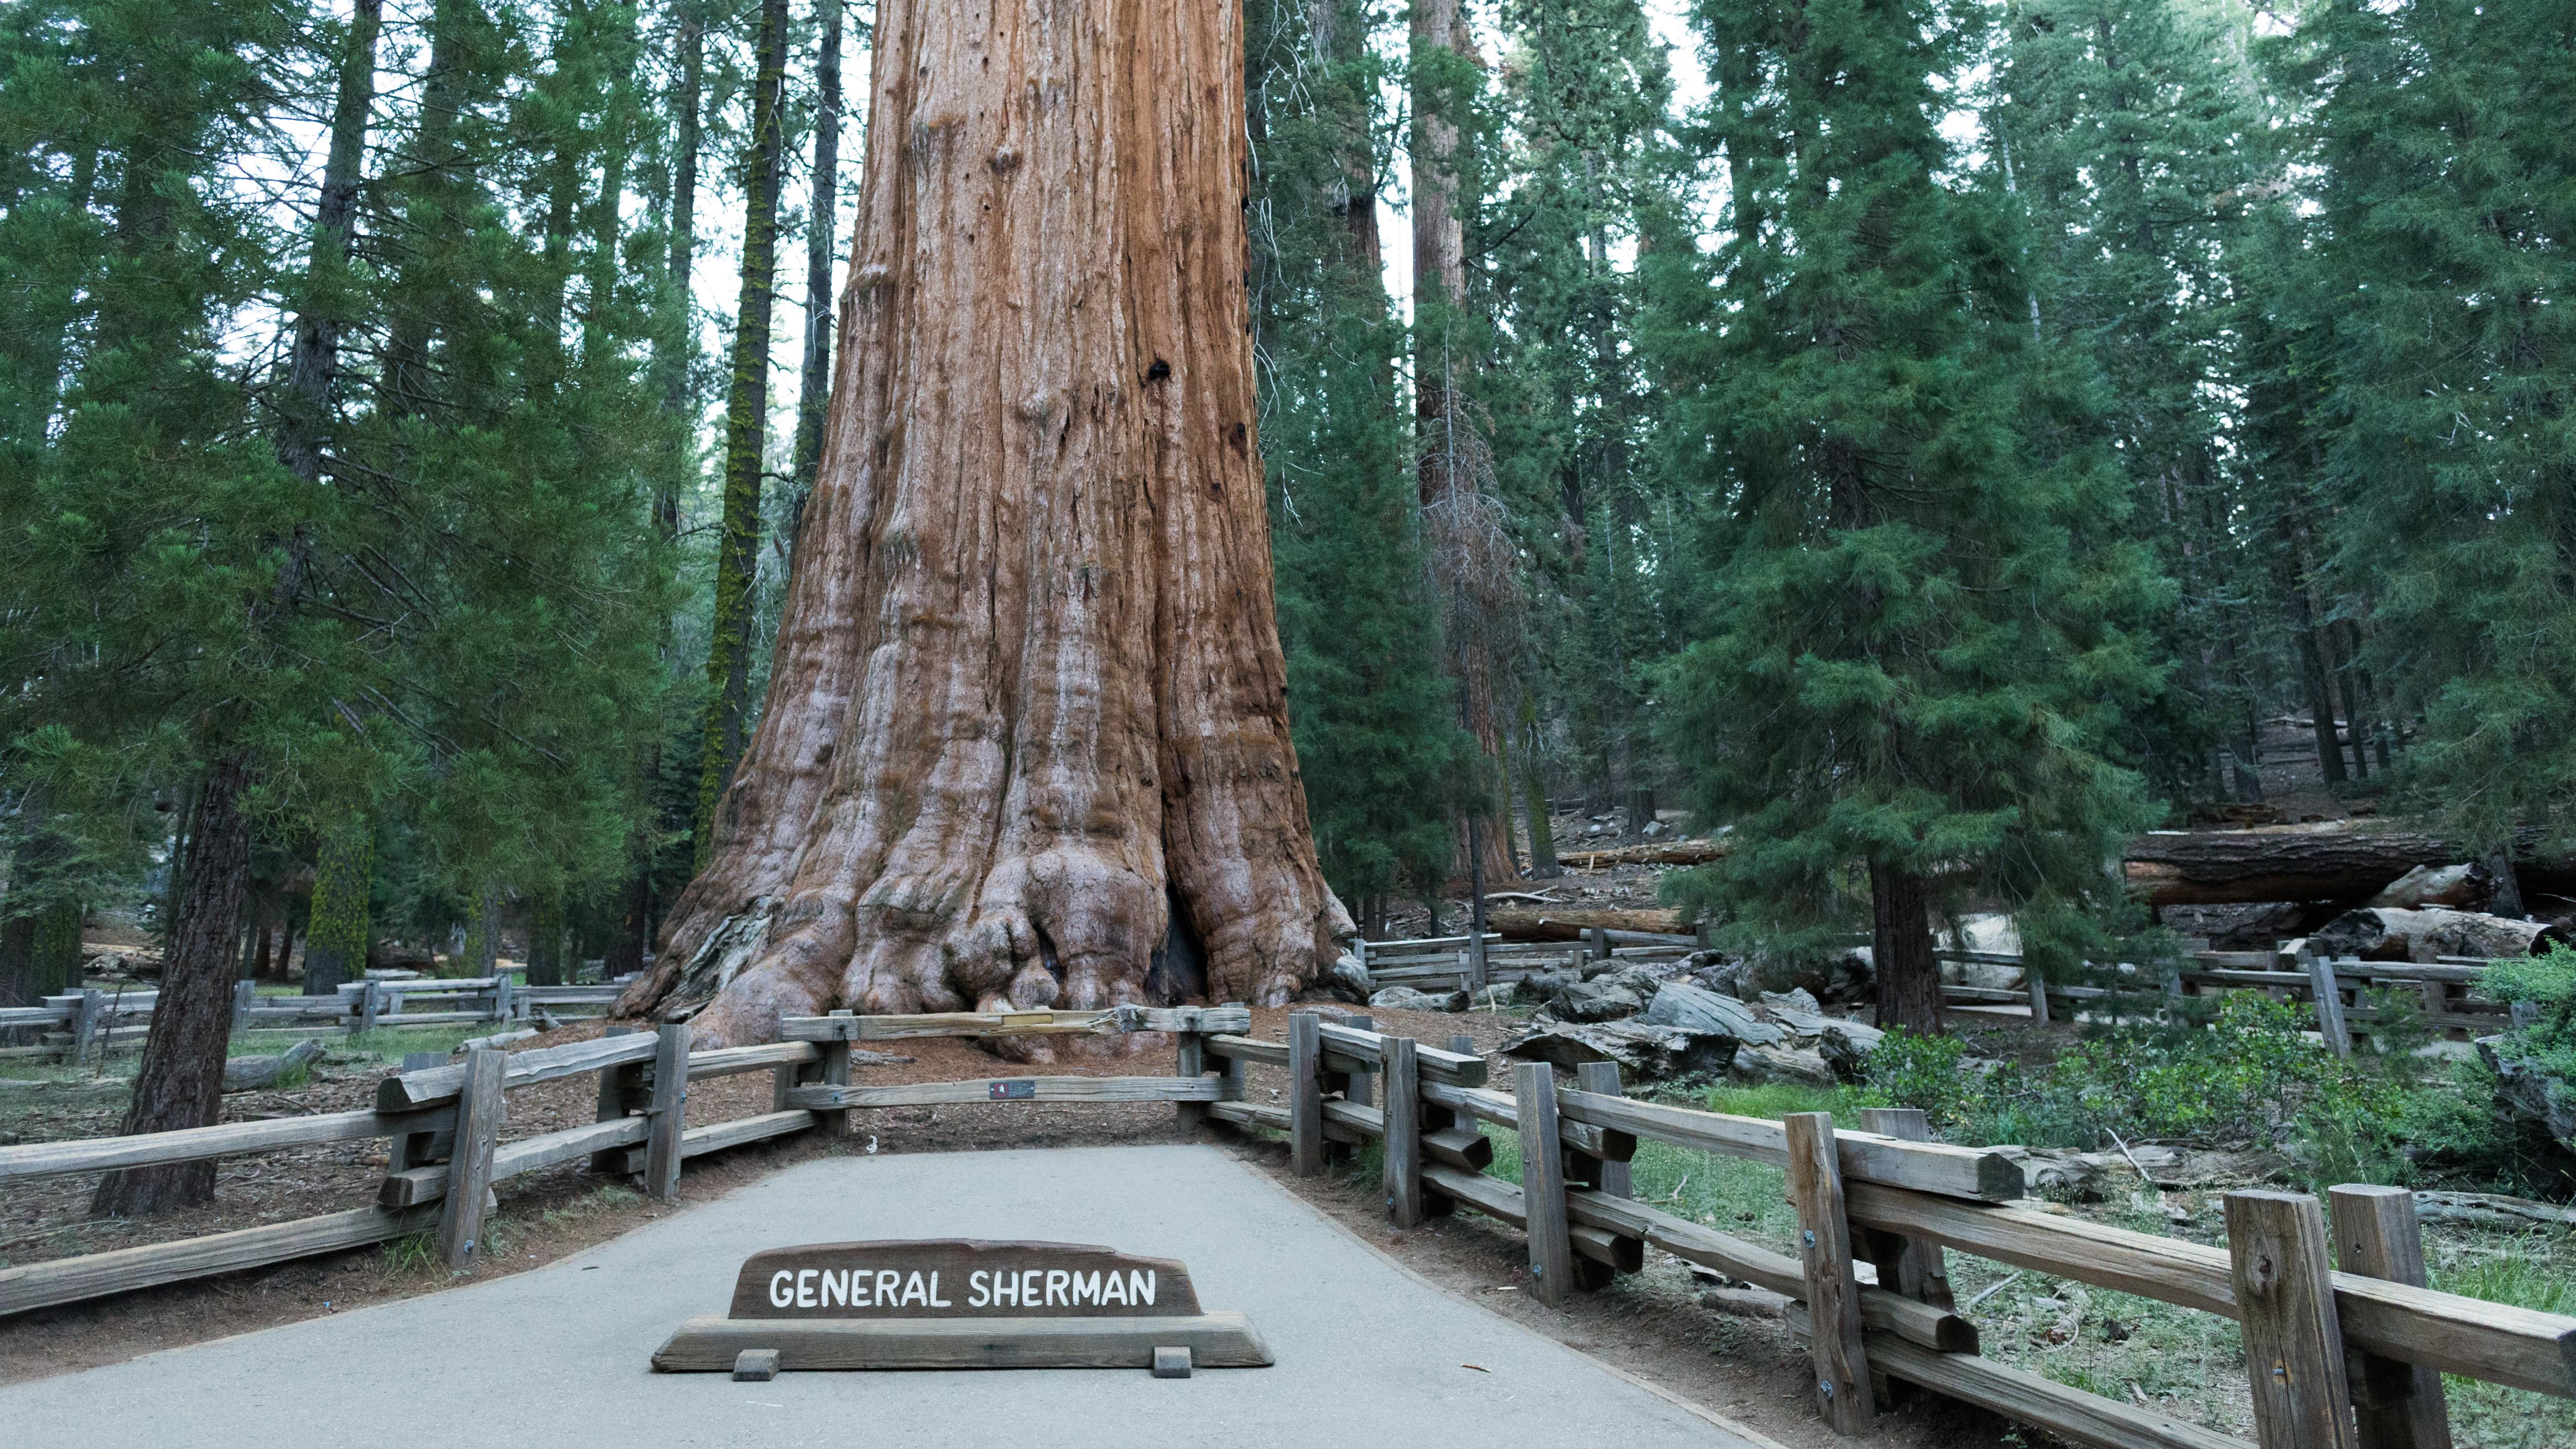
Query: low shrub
{"points": [[2250, 1077], [2546, 983]]}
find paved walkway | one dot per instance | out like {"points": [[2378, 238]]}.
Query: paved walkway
{"points": [[557, 1357]]}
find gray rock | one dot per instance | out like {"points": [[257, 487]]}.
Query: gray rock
{"points": [[1796, 999], [258, 1074], [1680, 1004], [1351, 976], [2529, 1093], [1643, 1052], [1541, 987], [1405, 998], [1782, 1064], [1595, 1001], [1846, 1045]]}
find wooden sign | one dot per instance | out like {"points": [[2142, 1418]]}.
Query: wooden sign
{"points": [[960, 1278], [963, 1303]]}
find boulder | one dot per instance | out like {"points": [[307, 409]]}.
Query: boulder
{"points": [[2529, 1094], [1644, 1052], [1405, 998], [1541, 987], [1782, 1064], [1594, 1001], [258, 1074], [1680, 1004], [1846, 1045], [1351, 976]]}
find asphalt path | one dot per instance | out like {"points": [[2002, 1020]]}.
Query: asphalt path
{"points": [[558, 1356]]}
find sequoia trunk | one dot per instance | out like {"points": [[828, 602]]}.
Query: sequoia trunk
{"points": [[1027, 702]]}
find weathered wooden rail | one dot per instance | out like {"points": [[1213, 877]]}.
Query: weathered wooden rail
{"points": [[79, 1023], [2347, 1359], [444, 1124], [2337, 987]]}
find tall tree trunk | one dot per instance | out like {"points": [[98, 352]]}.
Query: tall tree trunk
{"points": [[677, 349], [674, 351], [816, 395], [546, 937], [1028, 677], [439, 162], [1462, 523], [315, 361], [1341, 44], [2313, 679], [746, 434], [1909, 980], [181, 1081]]}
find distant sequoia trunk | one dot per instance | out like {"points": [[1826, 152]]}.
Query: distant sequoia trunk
{"points": [[1026, 738]]}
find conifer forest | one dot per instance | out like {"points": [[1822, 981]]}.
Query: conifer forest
{"points": [[810, 504]]}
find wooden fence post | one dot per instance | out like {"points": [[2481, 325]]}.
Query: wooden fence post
{"points": [[1551, 1242], [1911, 1266], [244, 993], [2398, 1405], [1356, 1088], [469, 1168], [1403, 1141], [93, 1005], [2293, 1340], [834, 1070], [504, 1006], [371, 1004], [2321, 981], [1833, 1288], [1305, 1094], [1612, 1179], [1189, 1059], [621, 1091], [1229, 1073], [669, 1112], [2038, 992], [1599, 939]]}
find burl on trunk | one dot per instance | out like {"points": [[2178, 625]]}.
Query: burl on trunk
{"points": [[1028, 715]]}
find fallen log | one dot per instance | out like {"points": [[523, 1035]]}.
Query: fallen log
{"points": [[1570, 925], [1671, 852], [258, 1074], [2388, 933], [2346, 860]]}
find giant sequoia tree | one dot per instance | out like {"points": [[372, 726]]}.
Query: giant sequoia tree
{"points": [[1027, 720]]}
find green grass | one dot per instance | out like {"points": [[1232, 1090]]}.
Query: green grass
{"points": [[2529, 1270]]}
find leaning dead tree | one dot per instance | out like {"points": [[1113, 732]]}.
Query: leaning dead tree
{"points": [[1026, 737]]}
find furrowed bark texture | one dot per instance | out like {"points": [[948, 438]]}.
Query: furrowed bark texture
{"points": [[1027, 696]]}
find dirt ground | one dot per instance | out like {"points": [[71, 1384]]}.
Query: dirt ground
{"points": [[1651, 1326]]}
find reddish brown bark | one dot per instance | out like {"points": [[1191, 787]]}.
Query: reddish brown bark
{"points": [[1027, 676], [181, 1083]]}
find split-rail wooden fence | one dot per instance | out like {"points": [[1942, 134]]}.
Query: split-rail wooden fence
{"points": [[79, 1023], [2338, 1357]]}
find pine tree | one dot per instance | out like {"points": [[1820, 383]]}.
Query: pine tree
{"points": [[2133, 135], [2448, 198], [1917, 651], [1373, 714], [731, 637]]}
